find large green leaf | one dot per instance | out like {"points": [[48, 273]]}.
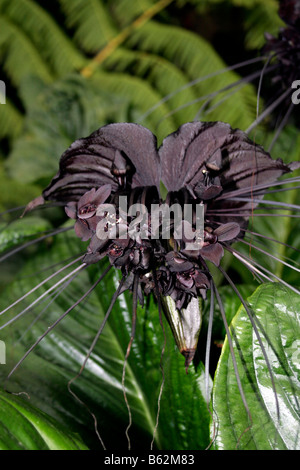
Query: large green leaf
{"points": [[274, 410], [13, 236], [21, 230], [23, 427]]}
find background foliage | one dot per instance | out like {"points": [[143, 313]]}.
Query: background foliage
{"points": [[70, 67]]}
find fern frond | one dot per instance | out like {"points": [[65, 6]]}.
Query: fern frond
{"points": [[14, 194], [21, 56], [126, 11], [142, 97], [260, 20], [92, 22], [54, 46], [190, 54], [162, 75], [11, 120]]}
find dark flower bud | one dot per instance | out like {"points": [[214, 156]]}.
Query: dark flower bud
{"points": [[178, 263]]}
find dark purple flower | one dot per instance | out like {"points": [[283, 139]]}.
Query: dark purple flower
{"points": [[285, 52], [289, 11], [84, 211], [208, 164]]}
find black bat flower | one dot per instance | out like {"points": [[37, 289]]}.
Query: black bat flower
{"points": [[215, 171]]}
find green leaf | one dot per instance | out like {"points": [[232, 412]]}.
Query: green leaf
{"points": [[164, 77], [189, 52], [262, 18], [14, 194], [22, 57], [38, 25], [23, 427], [92, 22], [277, 313], [11, 120], [22, 230], [184, 418], [13, 235]]}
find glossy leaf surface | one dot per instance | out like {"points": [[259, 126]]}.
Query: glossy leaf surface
{"points": [[24, 427], [274, 408]]}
